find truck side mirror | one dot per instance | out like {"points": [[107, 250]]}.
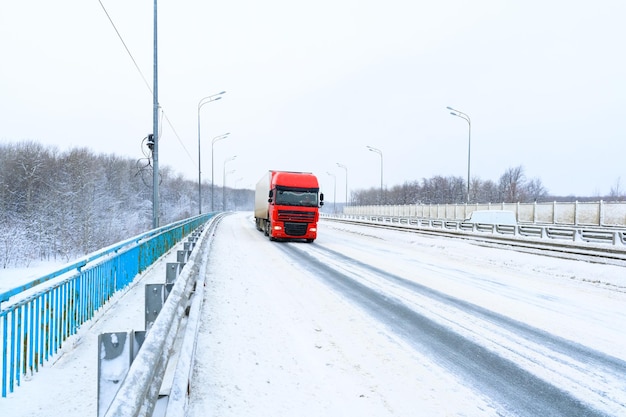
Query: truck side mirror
{"points": [[271, 194], [321, 199]]}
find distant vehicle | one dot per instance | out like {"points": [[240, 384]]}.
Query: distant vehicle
{"points": [[500, 217], [286, 205]]}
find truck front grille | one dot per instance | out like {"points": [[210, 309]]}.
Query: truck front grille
{"points": [[296, 216]]}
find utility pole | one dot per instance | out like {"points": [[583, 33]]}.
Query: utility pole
{"points": [[155, 131]]}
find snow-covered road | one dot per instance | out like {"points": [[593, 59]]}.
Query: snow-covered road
{"points": [[371, 322], [377, 323]]}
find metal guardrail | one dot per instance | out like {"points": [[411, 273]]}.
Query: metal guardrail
{"points": [[34, 327], [139, 391], [606, 235]]}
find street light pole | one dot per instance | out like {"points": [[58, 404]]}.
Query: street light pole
{"points": [[236, 195], [155, 128], [224, 180], [232, 171], [378, 151], [346, 168], [201, 103], [334, 191], [215, 139], [465, 117]]}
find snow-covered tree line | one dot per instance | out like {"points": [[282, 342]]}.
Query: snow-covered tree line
{"points": [[512, 187], [60, 205]]}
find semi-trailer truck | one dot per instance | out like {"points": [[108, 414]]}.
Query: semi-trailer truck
{"points": [[286, 205]]}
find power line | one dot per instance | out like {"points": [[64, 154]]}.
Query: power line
{"points": [[178, 137], [125, 47], [145, 81]]}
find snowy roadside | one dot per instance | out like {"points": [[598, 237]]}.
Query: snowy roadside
{"points": [[14, 277], [67, 385]]}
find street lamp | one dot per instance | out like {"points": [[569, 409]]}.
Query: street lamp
{"points": [[201, 103], [224, 189], [215, 139], [465, 117], [236, 195], [346, 168], [224, 179], [334, 191], [378, 151]]}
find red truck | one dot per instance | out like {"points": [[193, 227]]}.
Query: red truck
{"points": [[286, 205]]}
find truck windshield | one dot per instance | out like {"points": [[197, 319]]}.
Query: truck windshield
{"points": [[304, 198]]}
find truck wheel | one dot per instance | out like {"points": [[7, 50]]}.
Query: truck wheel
{"points": [[266, 227], [269, 231]]}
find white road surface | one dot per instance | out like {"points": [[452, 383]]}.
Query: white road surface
{"points": [[282, 337]]}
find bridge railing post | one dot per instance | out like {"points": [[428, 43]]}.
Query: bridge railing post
{"points": [[116, 352]]}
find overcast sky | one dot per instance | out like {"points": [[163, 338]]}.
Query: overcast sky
{"points": [[311, 84]]}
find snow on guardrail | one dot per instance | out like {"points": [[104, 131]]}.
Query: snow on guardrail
{"points": [[592, 235]]}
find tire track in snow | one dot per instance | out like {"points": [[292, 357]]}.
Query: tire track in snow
{"points": [[514, 388]]}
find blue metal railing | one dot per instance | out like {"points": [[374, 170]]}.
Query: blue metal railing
{"points": [[34, 327]]}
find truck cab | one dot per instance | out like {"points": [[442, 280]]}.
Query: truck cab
{"points": [[287, 205]]}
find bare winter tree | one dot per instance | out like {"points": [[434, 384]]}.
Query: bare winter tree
{"points": [[512, 185], [535, 191], [617, 194], [407, 193], [64, 204], [366, 197], [438, 190], [485, 191], [61, 205]]}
